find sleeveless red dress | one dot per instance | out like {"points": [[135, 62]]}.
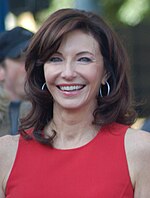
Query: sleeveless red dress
{"points": [[96, 170]]}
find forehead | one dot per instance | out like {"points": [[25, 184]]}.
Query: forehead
{"points": [[79, 40]]}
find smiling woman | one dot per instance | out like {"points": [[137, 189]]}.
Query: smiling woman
{"points": [[76, 141], [74, 73]]}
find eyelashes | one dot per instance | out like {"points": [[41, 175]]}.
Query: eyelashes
{"points": [[55, 59], [82, 60], [85, 60]]}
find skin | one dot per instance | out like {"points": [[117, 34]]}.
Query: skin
{"points": [[77, 63], [13, 77], [2, 74], [137, 145], [73, 123]]}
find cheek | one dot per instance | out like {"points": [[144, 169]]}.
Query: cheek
{"points": [[94, 74], [11, 75], [49, 74]]}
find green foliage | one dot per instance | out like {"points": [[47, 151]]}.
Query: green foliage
{"points": [[118, 12], [129, 12], [54, 5]]}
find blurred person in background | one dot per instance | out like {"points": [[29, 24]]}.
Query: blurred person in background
{"points": [[146, 125], [12, 77], [4, 103]]}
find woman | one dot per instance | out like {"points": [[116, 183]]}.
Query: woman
{"points": [[77, 140]]}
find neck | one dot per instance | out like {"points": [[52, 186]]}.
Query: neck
{"points": [[74, 128]]}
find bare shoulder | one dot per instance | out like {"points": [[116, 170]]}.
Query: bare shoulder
{"points": [[8, 144], [138, 142], [8, 149], [137, 145]]}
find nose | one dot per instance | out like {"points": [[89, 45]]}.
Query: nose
{"points": [[69, 71]]}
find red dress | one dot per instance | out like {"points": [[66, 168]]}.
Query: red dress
{"points": [[96, 170]]}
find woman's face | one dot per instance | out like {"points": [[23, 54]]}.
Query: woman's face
{"points": [[75, 72]]}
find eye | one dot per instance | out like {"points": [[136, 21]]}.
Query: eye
{"points": [[55, 59], [84, 60]]}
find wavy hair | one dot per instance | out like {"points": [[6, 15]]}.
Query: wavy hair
{"points": [[116, 107]]}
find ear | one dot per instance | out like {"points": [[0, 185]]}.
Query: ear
{"points": [[105, 77]]}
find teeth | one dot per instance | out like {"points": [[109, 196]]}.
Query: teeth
{"points": [[70, 88]]}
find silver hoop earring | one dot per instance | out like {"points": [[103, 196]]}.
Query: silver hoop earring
{"points": [[108, 90], [43, 86]]}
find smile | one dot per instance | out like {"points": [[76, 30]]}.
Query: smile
{"points": [[71, 88]]}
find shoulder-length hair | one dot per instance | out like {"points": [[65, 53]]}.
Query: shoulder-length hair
{"points": [[116, 107]]}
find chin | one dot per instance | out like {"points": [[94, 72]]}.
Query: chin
{"points": [[72, 106]]}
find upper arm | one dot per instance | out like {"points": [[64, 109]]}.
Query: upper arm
{"points": [[2, 193], [142, 183], [2, 163], [138, 157], [8, 148]]}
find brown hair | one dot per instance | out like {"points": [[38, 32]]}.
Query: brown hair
{"points": [[116, 107]]}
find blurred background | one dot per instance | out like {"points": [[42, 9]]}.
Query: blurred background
{"points": [[130, 18]]}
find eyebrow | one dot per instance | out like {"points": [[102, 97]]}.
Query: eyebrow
{"points": [[80, 53], [85, 52], [57, 52]]}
